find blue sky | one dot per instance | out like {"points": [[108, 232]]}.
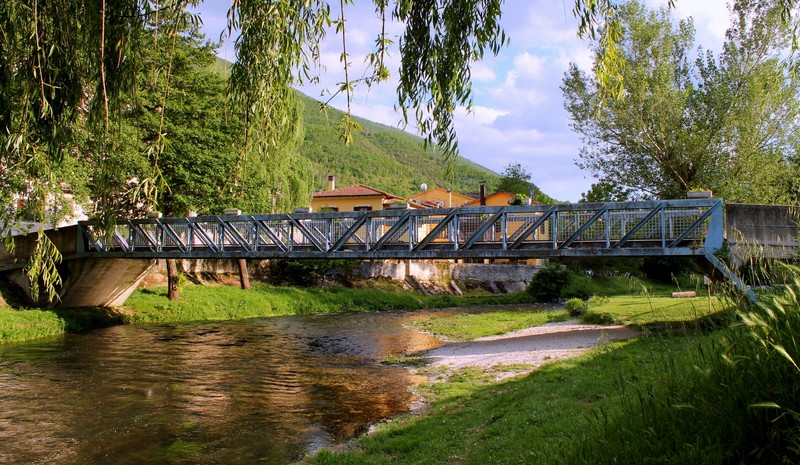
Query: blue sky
{"points": [[518, 114]]}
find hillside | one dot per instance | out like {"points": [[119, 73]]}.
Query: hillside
{"points": [[380, 156]]}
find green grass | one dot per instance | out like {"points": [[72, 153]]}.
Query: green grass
{"points": [[22, 324], [468, 326], [656, 311], [225, 303], [18, 325], [724, 396], [534, 419]]}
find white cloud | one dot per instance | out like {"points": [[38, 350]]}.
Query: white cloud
{"points": [[482, 73], [527, 65], [482, 115]]}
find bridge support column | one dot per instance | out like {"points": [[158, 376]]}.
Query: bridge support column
{"points": [[102, 282]]}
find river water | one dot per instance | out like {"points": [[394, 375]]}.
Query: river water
{"points": [[262, 391]]}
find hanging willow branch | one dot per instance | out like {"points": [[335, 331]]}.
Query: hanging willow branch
{"points": [[41, 269]]}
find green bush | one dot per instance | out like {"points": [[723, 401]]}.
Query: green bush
{"points": [[547, 284], [579, 286], [576, 307], [593, 318]]}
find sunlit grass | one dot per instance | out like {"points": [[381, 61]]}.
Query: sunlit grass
{"points": [[225, 302], [468, 326], [644, 310]]}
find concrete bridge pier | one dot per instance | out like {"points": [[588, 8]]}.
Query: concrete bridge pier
{"points": [[94, 282]]}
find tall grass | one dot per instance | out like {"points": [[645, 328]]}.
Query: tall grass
{"points": [[732, 398]]}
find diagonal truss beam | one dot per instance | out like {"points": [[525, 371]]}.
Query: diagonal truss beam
{"points": [[598, 214], [174, 236], [431, 236], [694, 226], [262, 226], [139, 229], [92, 242], [308, 234], [352, 230], [234, 234], [482, 229], [200, 233], [399, 225], [545, 216], [655, 211]]}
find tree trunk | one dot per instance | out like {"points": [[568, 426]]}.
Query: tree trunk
{"points": [[244, 275], [172, 280]]}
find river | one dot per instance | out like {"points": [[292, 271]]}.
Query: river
{"points": [[241, 392]]}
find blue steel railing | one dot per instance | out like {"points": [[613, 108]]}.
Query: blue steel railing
{"points": [[655, 228]]}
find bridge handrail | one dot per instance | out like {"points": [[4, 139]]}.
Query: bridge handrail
{"points": [[669, 227]]}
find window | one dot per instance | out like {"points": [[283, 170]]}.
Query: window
{"points": [[362, 208]]}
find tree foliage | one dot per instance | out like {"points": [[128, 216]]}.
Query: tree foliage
{"points": [[605, 191], [515, 179], [722, 123]]}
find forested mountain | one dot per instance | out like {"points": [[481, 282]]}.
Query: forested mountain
{"points": [[381, 156]]}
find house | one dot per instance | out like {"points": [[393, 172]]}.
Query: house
{"points": [[498, 199], [437, 197], [357, 197]]}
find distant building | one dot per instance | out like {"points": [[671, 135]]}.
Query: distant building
{"points": [[498, 199], [357, 197], [437, 197]]}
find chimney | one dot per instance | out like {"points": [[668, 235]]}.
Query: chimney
{"points": [[483, 193], [331, 182]]}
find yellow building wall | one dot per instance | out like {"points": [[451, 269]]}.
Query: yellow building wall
{"points": [[499, 199], [448, 198], [347, 204]]}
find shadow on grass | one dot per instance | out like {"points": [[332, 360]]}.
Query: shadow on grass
{"points": [[83, 319]]}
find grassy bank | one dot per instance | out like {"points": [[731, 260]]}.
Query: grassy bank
{"points": [[535, 419], [707, 396], [225, 303]]}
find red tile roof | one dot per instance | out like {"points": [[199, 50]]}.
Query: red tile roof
{"points": [[356, 190]]}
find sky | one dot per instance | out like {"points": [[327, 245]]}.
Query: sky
{"points": [[518, 114]]}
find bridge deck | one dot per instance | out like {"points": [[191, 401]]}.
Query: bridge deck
{"points": [[659, 228]]}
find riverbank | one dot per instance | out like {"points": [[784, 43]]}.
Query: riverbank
{"points": [[692, 387], [204, 303]]}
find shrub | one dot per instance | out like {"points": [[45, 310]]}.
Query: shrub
{"points": [[547, 284], [579, 286], [593, 318], [576, 307]]}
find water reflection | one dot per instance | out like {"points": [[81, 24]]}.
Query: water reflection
{"points": [[263, 391]]}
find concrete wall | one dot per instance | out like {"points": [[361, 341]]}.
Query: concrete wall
{"points": [[92, 282], [102, 282], [65, 239], [763, 230], [205, 271], [495, 277]]}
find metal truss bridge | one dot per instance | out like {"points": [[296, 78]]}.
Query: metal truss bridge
{"points": [[628, 229]]}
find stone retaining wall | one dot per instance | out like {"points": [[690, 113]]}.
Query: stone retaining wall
{"points": [[498, 278]]}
